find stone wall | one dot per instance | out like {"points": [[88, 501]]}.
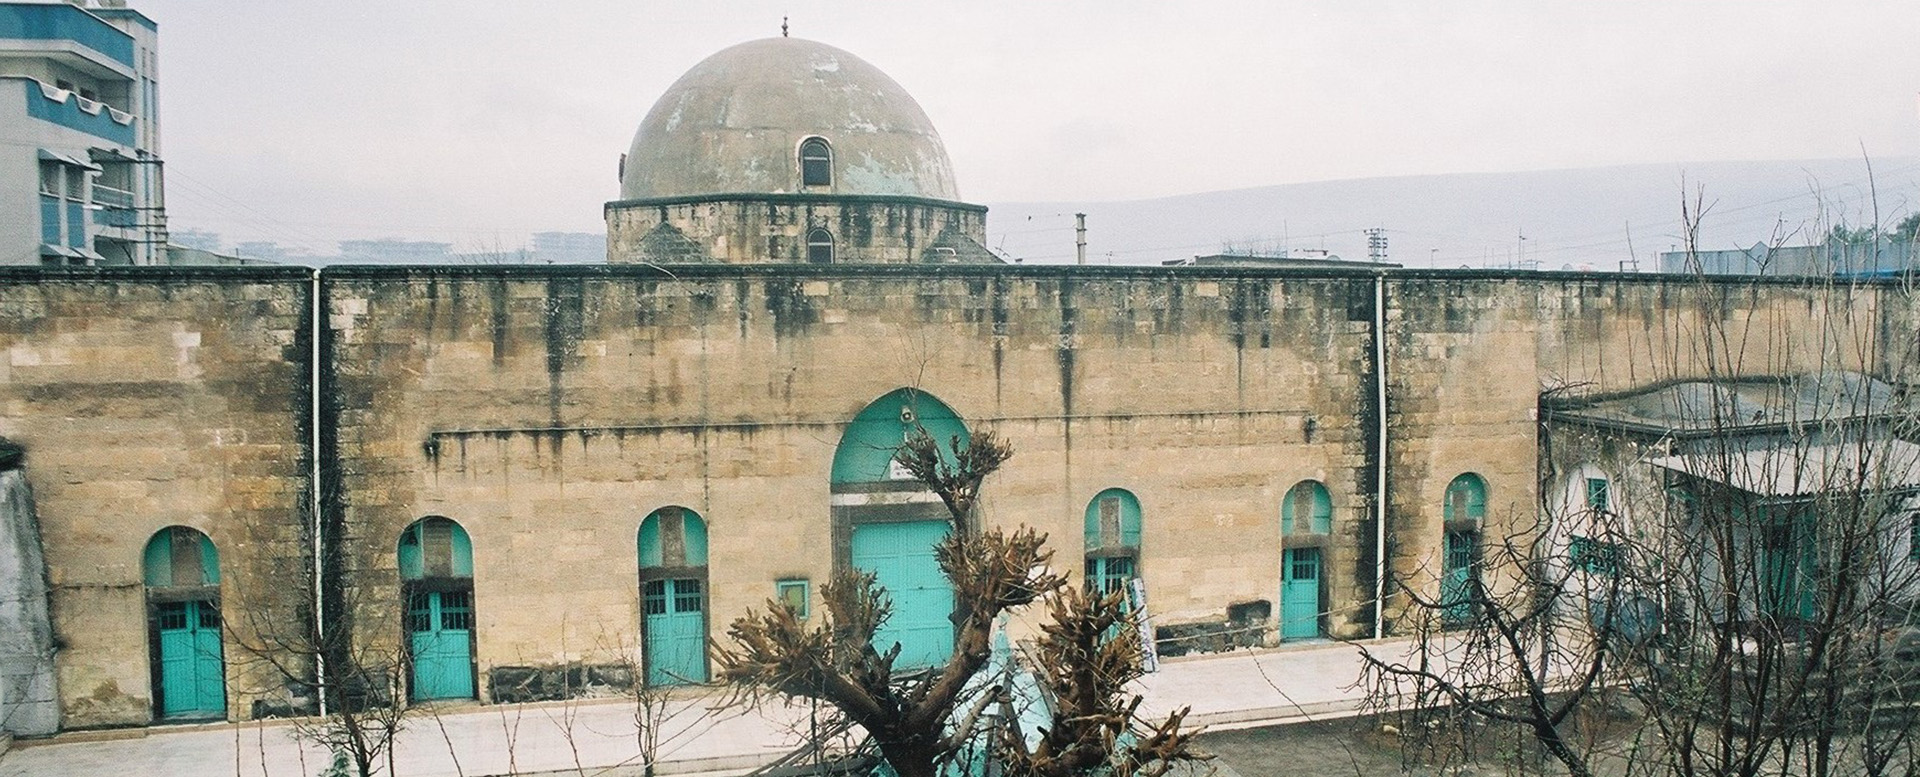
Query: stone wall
{"points": [[548, 410], [760, 229], [146, 399]]}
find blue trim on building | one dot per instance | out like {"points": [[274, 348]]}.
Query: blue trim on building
{"points": [[126, 13], [59, 21], [49, 219], [68, 114], [76, 224]]}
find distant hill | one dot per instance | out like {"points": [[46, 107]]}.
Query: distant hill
{"points": [[1572, 219]]}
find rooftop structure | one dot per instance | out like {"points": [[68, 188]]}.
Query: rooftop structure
{"points": [[80, 175]]}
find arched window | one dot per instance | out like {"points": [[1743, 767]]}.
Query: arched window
{"points": [[1308, 509], [436, 573], [1592, 522], [816, 163], [1465, 510], [1113, 540], [673, 596], [182, 573], [819, 246], [1466, 499]]}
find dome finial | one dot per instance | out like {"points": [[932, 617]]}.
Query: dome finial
{"points": [[783, 26]]}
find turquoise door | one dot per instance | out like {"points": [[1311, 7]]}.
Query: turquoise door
{"points": [[193, 680], [1787, 565], [676, 631], [1108, 574], [1456, 590], [1300, 594], [901, 556], [440, 630]]}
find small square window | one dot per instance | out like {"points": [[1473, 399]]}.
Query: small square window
{"points": [[1597, 494], [795, 595]]}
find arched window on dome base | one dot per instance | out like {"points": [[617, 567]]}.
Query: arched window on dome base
{"points": [[816, 163], [819, 246]]}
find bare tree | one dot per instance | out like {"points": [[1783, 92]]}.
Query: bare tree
{"points": [[920, 720], [1088, 652], [355, 701], [1743, 578]]}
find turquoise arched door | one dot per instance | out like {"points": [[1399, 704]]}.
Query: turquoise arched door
{"points": [[893, 524], [1306, 517], [182, 572], [1111, 529], [1465, 509], [436, 567], [673, 596]]}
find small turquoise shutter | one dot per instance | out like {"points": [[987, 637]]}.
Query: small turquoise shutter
{"points": [[209, 562], [694, 533], [462, 551], [650, 541], [1322, 510], [158, 560]]}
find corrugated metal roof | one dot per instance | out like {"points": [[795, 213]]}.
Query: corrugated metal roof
{"points": [[1863, 466], [1731, 405]]}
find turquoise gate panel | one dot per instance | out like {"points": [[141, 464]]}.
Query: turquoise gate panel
{"points": [[901, 556], [192, 670], [1456, 591], [1300, 594], [440, 626], [676, 631]]}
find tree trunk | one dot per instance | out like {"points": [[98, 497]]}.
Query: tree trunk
{"points": [[911, 759]]}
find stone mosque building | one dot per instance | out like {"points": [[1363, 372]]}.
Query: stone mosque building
{"points": [[508, 483]]}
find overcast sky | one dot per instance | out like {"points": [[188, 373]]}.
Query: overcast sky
{"points": [[478, 122]]}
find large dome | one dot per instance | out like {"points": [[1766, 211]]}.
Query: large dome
{"points": [[734, 124]]}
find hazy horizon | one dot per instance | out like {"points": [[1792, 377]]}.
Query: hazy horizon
{"points": [[310, 124]]}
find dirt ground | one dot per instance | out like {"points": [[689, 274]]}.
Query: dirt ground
{"points": [[1357, 747], [1337, 748]]}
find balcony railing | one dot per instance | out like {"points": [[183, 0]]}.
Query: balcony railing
{"points": [[111, 197]]}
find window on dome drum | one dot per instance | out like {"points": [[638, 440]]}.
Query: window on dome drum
{"points": [[816, 163], [820, 246]]}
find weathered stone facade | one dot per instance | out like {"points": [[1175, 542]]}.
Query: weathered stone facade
{"points": [[153, 398], [548, 410], [774, 228]]}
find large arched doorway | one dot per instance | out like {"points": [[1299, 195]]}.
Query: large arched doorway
{"points": [[436, 573], [182, 573], [887, 523], [673, 596]]}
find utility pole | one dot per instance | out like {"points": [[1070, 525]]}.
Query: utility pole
{"points": [[1080, 238], [1377, 245]]}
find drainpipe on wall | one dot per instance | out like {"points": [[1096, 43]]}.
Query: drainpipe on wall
{"points": [[315, 523], [1380, 454]]}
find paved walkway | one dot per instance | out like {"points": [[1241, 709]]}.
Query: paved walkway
{"points": [[697, 733]]}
